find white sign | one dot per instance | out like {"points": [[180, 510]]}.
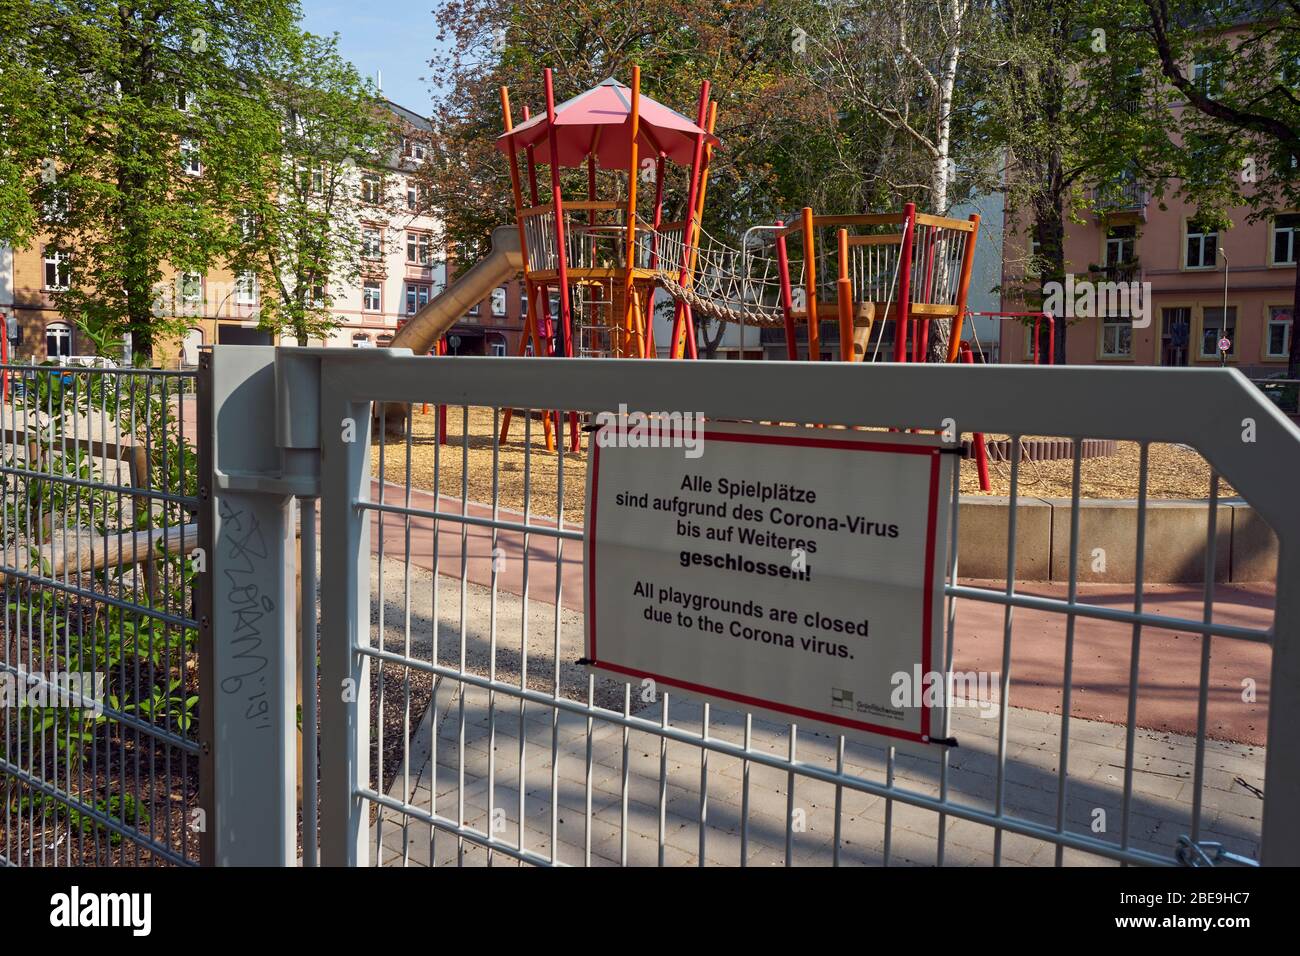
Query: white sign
{"points": [[792, 572]]}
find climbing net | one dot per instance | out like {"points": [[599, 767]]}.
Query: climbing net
{"points": [[733, 285]]}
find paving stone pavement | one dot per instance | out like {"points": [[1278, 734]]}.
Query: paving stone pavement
{"points": [[1160, 806], [1159, 813]]}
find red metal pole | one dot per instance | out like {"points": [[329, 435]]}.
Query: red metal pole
{"points": [[688, 227], [1037, 320], [981, 452], [904, 282], [787, 295], [557, 199], [442, 409], [1051, 339]]}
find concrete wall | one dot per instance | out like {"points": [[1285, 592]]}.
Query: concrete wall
{"points": [[1176, 533]]}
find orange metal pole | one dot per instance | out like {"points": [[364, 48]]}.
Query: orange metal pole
{"points": [[845, 290], [810, 286], [967, 262]]}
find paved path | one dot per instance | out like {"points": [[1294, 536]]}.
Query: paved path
{"points": [[1169, 661], [1159, 811]]}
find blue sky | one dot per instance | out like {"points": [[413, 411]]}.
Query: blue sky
{"points": [[392, 36]]}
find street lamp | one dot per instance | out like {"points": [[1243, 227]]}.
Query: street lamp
{"points": [[1223, 352]]}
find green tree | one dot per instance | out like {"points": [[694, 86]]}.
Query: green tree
{"points": [[151, 120], [1067, 121], [301, 227], [1224, 78]]}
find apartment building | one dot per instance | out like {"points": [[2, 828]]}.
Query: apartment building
{"points": [[1207, 286], [404, 267]]}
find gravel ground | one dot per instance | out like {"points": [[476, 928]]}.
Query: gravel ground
{"points": [[1175, 471]]}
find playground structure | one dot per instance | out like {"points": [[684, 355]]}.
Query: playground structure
{"points": [[595, 268]]}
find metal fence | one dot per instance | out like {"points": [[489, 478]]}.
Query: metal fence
{"points": [[98, 655], [457, 724], [443, 715]]}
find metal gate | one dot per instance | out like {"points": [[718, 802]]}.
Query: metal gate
{"points": [[99, 670], [455, 724]]}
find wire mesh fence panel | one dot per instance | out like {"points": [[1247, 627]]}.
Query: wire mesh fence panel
{"points": [[1100, 717], [98, 667]]}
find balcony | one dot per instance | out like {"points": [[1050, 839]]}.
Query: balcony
{"points": [[1122, 197]]}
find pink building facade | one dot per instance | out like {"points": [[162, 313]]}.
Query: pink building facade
{"points": [[1125, 235], [1185, 266]]}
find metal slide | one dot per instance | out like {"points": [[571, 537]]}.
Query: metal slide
{"points": [[427, 326]]}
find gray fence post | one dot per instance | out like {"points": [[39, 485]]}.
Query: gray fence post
{"points": [[1280, 828], [250, 701], [345, 623]]}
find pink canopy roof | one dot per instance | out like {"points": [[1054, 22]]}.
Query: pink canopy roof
{"points": [[601, 119]]}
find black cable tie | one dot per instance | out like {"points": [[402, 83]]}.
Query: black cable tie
{"points": [[956, 450], [590, 428], [943, 741], [584, 661]]}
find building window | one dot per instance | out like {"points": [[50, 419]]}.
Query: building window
{"points": [[1277, 339], [191, 165], [316, 295], [417, 297], [411, 198], [246, 288], [418, 247], [523, 304], [371, 188], [499, 300], [55, 207], [191, 284], [247, 223], [360, 341], [473, 309], [1205, 77], [371, 244], [1121, 246], [184, 100], [58, 273], [58, 340], [370, 301], [497, 345], [1034, 266], [1213, 328], [1202, 246], [1284, 239], [1116, 337]]}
